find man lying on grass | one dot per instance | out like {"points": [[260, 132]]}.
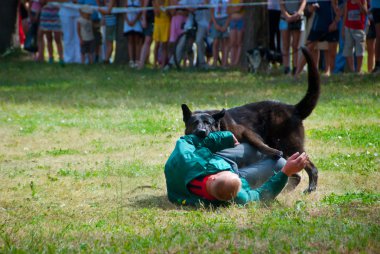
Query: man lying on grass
{"points": [[218, 169]]}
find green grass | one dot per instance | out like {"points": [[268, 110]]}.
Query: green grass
{"points": [[83, 148]]}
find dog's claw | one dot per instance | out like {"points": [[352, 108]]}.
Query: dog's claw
{"points": [[277, 155], [310, 189]]}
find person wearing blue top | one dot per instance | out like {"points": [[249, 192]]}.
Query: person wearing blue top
{"points": [[375, 8], [217, 170]]}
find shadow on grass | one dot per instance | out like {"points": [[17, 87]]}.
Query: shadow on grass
{"points": [[149, 201], [152, 201]]}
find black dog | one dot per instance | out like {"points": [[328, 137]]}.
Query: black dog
{"points": [[258, 59], [274, 128]]}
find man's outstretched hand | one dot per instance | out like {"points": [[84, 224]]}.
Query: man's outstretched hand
{"points": [[295, 163]]}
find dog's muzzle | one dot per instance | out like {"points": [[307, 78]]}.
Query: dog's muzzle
{"points": [[202, 133]]}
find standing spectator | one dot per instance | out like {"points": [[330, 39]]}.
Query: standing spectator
{"points": [[274, 13], [147, 21], [71, 43], [220, 22], [86, 35], [202, 18], [23, 21], [50, 25], [95, 18], [376, 18], [177, 23], [236, 31], [133, 31], [340, 60], [161, 32], [291, 25], [322, 46], [370, 41], [110, 30], [324, 28], [355, 12], [34, 14]]}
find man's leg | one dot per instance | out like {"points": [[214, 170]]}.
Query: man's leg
{"points": [[254, 166]]}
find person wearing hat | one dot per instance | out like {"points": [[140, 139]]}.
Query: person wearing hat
{"points": [[218, 169]]}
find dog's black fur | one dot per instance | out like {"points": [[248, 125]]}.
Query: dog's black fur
{"points": [[274, 128], [258, 59]]}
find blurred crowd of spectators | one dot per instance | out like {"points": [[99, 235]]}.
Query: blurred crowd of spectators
{"points": [[338, 32]]}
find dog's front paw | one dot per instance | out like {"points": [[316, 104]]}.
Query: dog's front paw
{"points": [[277, 154]]}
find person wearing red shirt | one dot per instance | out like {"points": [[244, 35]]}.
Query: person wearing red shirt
{"points": [[355, 12]]}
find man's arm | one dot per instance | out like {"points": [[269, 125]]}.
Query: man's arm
{"points": [[270, 189], [217, 141], [363, 6]]}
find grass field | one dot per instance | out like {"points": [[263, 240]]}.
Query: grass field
{"points": [[82, 152]]}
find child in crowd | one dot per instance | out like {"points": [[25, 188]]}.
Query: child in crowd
{"points": [[50, 25], [179, 17], [220, 22], [291, 25], [355, 12], [147, 20], [95, 18], [161, 31], [236, 31], [86, 34], [133, 31], [110, 30]]}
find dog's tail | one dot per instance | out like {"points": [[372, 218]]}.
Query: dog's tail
{"points": [[309, 101]]}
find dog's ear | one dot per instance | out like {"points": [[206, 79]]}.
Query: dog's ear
{"points": [[186, 112], [219, 115]]}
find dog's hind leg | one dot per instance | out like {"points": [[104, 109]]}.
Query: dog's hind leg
{"points": [[312, 172], [256, 141]]}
